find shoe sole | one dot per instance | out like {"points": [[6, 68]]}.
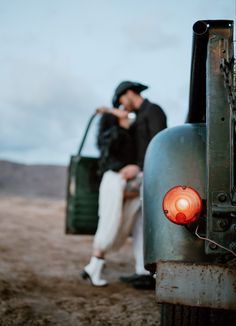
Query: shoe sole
{"points": [[86, 276]]}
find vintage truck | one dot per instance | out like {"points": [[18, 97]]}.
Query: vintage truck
{"points": [[189, 197]]}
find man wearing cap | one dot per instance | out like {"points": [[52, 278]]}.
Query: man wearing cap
{"points": [[150, 119]]}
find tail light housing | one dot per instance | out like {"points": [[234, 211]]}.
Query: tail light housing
{"points": [[182, 205]]}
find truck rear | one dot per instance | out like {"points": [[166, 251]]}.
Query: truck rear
{"points": [[189, 200]]}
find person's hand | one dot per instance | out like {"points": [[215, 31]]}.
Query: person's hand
{"points": [[103, 109], [129, 171], [120, 114]]}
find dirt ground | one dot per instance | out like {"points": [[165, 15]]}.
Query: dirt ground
{"points": [[39, 273]]}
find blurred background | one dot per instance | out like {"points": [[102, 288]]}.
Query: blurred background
{"points": [[60, 59]]}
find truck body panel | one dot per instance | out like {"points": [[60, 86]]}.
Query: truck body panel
{"points": [[195, 265], [184, 152], [195, 284]]}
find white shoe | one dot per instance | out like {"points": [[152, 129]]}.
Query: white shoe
{"points": [[93, 270]]}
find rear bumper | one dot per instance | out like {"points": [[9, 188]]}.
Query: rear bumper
{"points": [[198, 285]]}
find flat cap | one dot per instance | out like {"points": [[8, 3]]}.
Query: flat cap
{"points": [[123, 87]]}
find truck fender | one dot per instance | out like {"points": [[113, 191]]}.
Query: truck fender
{"points": [[176, 156]]}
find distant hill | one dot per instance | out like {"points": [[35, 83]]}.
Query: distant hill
{"points": [[32, 180]]}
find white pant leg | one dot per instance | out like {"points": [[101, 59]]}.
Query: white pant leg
{"points": [[132, 223], [110, 210], [131, 208], [118, 218], [137, 233]]}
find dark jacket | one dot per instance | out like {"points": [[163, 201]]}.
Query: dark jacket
{"points": [[150, 119], [116, 146]]}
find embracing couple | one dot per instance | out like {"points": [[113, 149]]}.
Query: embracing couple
{"points": [[123, 143]]}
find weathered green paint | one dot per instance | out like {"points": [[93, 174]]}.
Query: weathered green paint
{"points": [[82, 191], [82, 196], [201, 156], [220, 144], [175, 156]]}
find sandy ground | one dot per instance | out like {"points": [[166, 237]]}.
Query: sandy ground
{"points": [[39, 273]]}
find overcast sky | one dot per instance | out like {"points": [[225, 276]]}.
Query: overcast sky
{"points": [[60, 59]]}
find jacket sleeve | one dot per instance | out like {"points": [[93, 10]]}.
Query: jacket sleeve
{"points": [[156, 120]]}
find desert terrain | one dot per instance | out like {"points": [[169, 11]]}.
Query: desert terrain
{"points": [[39, 270]]}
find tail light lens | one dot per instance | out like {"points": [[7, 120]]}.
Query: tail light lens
{"points": [[182, 205]]}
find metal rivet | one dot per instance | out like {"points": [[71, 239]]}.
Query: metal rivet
{"points": [[222, 197], [223, 224], [212, 246], [233, 246]]}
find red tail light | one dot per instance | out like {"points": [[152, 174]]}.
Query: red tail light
{"points": [[182, 205]]}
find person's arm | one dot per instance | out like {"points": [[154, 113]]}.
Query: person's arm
{"points": [[120, 114], [116, 112]]}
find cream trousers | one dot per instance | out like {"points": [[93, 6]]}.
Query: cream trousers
{"points": [[119, 218]]}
